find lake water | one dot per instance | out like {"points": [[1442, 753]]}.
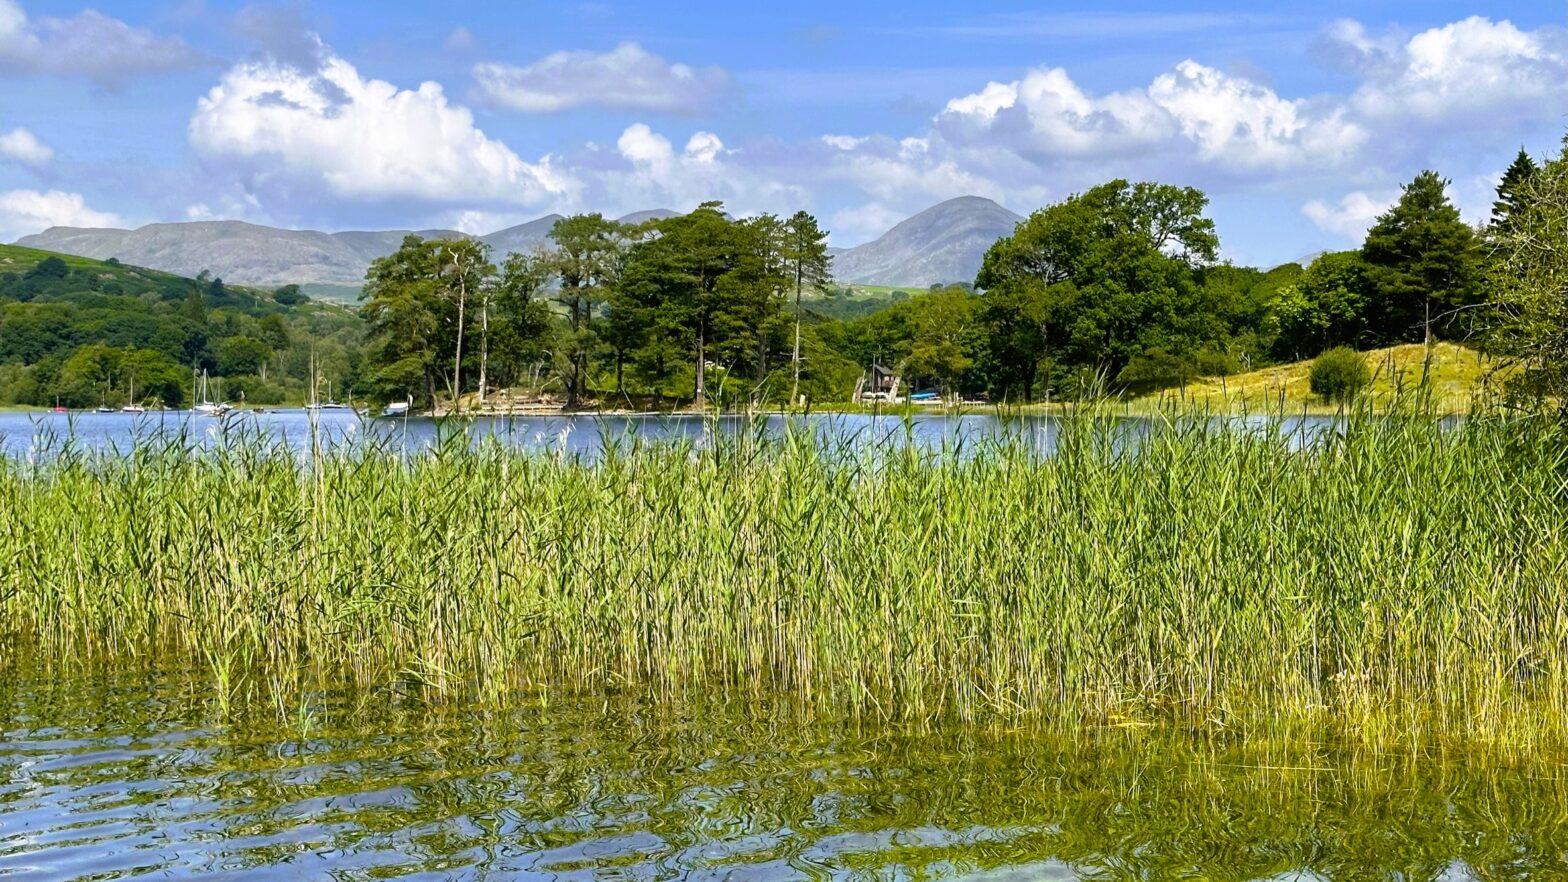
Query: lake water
{"points": [[144, 775], [22, 433]]}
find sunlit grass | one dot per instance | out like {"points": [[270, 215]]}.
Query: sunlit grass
{"points": [[1455, 378], [1397, 579]]}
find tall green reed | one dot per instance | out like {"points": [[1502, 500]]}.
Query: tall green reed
{"points": [[1392, 578]]}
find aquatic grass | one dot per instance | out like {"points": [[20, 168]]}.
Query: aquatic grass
{"points": [[1396, 578]]}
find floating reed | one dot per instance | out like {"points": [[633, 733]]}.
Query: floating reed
{"points": [[1395, 577]]}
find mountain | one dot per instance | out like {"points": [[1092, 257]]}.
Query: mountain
{"points": [[251, 254], [235, 251], [944, 243], [523, 237]]}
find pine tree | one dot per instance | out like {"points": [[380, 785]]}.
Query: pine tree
{"points": [[1507, 204], [1422, 262], [810, 265]]}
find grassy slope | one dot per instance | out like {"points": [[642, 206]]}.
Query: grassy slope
{"points": [[1456, 374], [17, 259]]}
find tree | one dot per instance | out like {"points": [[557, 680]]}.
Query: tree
{"points": [[1111, 274], [1326, 307], [679, 280], [243, 355], [1529, 272], [522, 318], [588, 259], [404, 310], [1509, 190], [463, 271], [49, 268], [1423, 263], [1016, 317], [942, 347], [750, 325], [289, 295], [810, 267]]}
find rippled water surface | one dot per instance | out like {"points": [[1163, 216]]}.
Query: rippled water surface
{"points": [[140, 775]]}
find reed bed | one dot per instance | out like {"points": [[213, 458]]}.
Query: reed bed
{"points": [[1395, 577]]}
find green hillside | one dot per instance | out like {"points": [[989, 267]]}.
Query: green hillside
{"points": [[1455, 375], [86, 333]]}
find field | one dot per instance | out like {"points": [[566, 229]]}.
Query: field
{"points": [[1399, 580]]}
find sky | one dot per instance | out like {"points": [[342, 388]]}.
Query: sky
{"points": [[1299, 120]]}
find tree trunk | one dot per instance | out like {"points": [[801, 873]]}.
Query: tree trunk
{"points": [[484, 347], [701, 400], [575, 366], [794, 388], [457, 362]]}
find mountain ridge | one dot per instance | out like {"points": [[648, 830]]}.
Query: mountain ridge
{"points": [[944, 243]]}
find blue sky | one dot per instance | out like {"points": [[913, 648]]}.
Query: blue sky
{"points": [[1300, 121]]}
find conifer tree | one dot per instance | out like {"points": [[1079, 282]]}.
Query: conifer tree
{"points": [[1422, 263], [1508, 190]]}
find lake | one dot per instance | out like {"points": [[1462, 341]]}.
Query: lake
{"points": [[140, 775], [22, 433]]}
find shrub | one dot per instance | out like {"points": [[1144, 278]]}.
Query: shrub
{"points": [[1154, 370], [1339, 374], [1216, 364]]}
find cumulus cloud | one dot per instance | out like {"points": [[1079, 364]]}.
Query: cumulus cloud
{"points": [[89, 44], [627, 77], [1472, 69], [360, 138], [645, 170], [1193, 111], [316, 128], [22, 146], [1352, 216], [282, 33], [24, 212]]}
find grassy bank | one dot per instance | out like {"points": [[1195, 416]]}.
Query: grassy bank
{"points": [[1456, 378], [1397, 580]]}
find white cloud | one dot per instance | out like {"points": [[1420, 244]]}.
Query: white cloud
{"points": [[89, 44], [627, 77], [1233, 120], [843, 142], [1193, 112], [1470, 69], [361, 139], [1352, 216], [647, 172], [20, 145], [24, 212]]}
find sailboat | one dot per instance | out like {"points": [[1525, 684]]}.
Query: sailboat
{"points": [[205, 406], [332, 403], [315, 383], [131, 406], [103, 402]]}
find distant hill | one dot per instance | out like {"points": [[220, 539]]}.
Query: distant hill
{"points": [[235, 251], [944, 243], [252, 254], [523, 237], [79, 333]]}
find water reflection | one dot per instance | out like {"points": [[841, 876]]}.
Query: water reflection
{"points": [[131, 775]]}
